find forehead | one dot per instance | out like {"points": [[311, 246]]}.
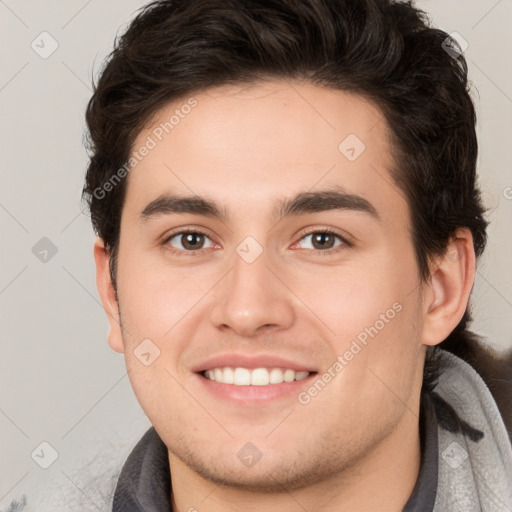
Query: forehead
{"points": [[251, 145]]}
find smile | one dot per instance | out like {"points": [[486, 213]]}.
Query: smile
{"points": [[253, 377]]}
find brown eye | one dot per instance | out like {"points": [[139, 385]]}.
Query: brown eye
{"points": [[189, 241], [192, 240], [323, 240]]}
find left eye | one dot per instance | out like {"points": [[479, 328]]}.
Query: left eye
{"points": [[190, 240], [322, 240]]}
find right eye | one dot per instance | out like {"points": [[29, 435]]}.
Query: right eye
{"points": [[190, 241]]}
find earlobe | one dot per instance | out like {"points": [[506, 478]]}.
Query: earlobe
{"points": [[450, 285], [108, 295]]}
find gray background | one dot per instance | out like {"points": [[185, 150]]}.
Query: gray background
{"points": [[60, 381]]}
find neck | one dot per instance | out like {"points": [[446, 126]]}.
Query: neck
{"points": [[382, 479]]}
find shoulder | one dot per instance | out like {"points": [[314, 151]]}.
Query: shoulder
{"points": [[495, 370]]}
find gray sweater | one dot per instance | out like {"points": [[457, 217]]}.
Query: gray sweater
{"points": [[474, 474]]}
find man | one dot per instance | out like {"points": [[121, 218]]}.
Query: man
{"points": [[284, 194]]}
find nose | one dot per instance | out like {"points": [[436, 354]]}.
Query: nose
{"points": [[252, 298]]}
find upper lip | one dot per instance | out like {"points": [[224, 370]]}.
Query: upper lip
{"points": [[251, 362]]}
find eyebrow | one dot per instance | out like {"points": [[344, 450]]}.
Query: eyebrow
{"points": [[303, 203]]}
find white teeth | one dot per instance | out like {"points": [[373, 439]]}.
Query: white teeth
{"points": [[289, 376], [276, 376], [228, 376], [242, 377], [256, 377], [260, 377]]}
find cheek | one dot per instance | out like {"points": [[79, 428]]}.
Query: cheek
{"points": [[155, 390], [370, 292], [372, 313], [157, 297]]}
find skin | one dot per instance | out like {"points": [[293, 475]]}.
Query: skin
{"points": [[354, 446]]}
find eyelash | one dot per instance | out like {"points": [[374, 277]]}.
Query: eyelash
{"points": [[178, 252]]}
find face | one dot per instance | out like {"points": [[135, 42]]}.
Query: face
{"points": [[288, 276]]}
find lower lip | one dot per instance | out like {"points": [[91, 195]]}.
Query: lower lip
{"points": [[255, 395]]}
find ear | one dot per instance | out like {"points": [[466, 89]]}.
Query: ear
{"points": [[108, 295], [447, 292]]}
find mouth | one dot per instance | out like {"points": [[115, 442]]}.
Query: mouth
{"points": [[240, 376], [253, 380]]}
